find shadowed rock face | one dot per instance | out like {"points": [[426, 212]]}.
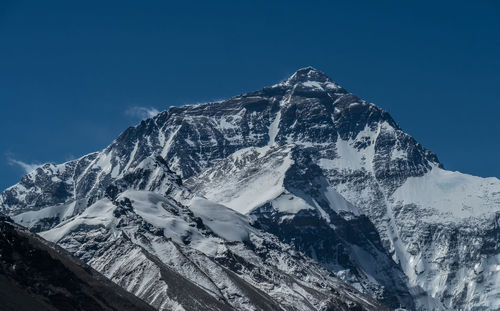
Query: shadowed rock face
{"points": [[313, 164], [36, 276]]}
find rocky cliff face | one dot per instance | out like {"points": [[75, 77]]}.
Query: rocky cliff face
{"points": [[314, 165]]}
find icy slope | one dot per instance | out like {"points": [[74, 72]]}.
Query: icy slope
{"points": [[460, 213], [450, 195]]}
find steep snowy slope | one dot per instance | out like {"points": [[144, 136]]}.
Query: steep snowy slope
{"points": [[314, 165]]}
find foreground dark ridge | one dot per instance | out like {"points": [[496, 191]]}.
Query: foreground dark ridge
{"points": [[36, 276]]}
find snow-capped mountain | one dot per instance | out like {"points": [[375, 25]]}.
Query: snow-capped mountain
{"points": [[313, 168]]}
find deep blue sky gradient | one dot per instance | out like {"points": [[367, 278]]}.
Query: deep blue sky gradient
{"points": [[69, 70]]}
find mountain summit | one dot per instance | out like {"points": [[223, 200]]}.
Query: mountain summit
{"points": [[273, 198], [308, 74]]}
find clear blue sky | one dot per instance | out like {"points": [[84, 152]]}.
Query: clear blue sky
{"points": [[70, 70]]}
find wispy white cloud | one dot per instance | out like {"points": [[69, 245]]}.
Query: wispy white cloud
{"points": [[142, 112], [27, 167], [201, 102]]}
